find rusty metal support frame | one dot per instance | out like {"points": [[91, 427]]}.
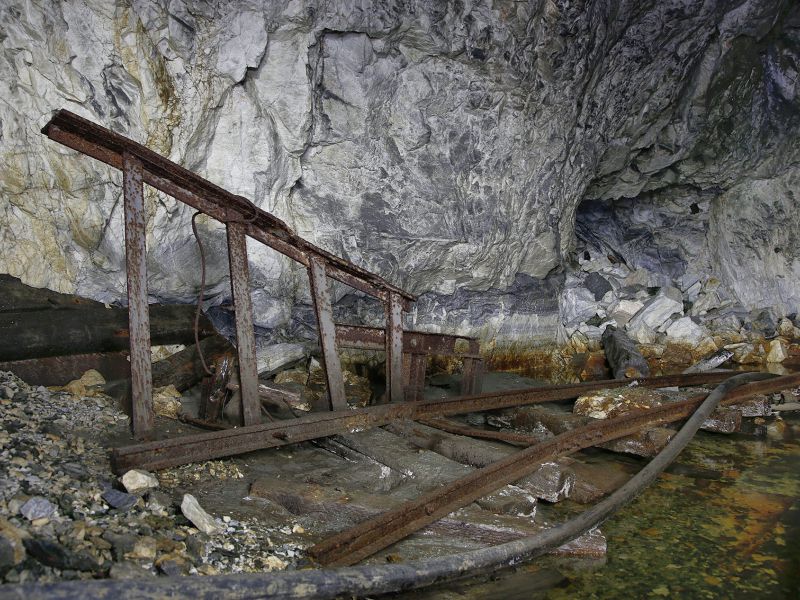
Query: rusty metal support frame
{"points": [[141, 165], [394, 349], [138, 312], [208, 446]]}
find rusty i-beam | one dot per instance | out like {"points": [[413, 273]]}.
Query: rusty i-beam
{"points": [[219, 444], [243, 219]]}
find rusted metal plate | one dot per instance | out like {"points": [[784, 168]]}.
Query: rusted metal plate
{"points": [[138, 314], [327, 334], [103, 144], [374, 338], [183, 450], [245, 331], [376, 533], [394, 349]]}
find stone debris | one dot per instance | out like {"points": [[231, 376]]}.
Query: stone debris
{"points": [[192, 510], [137, 481], [667, 302], [119, 500], [58, 518], [167, 401], [37, 508], [90, 383], [778, 351]]}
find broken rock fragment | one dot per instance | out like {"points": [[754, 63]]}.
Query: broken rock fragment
{"points": [[137, 481], [37, 508], [192, 510]]}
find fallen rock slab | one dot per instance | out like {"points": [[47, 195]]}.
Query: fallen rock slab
{"points": [[192, 510]]}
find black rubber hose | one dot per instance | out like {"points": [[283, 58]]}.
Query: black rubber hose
{"points": [[378, 579]]}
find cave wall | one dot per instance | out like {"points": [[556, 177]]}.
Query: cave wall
{"points": [[446, 146]]}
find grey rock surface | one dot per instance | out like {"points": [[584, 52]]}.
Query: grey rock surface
{"points": [[451, 148]]}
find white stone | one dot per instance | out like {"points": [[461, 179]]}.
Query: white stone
{"points": [[641, 333], [687, 331], [778, 351], [137, 481], [192, 510], [271, 357], [625, 309], [658, 309]]}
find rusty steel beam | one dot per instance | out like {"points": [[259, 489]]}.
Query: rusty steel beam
{"points": [[245, 331], [394, 349], [419, 342], [138, 313], [471, 377], [188, 449], [376, 533], [103, 144], [60, 370], [327, 335], [414, 366]]}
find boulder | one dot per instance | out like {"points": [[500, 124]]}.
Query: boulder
{"points": [[598, 285], [778, 351], [576, 306], [685, 330], [658, 309]]}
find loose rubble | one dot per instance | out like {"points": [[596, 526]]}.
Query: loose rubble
{"points": [[64, 516]]}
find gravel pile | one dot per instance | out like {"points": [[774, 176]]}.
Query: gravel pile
{"points": [[64, 515]]}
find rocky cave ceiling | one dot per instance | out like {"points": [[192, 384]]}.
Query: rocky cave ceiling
{"points": [[484, 155]]}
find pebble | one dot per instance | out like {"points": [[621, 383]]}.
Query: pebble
{"points": [[53, 464], [119, 500], [37, 508], [137, 481]]}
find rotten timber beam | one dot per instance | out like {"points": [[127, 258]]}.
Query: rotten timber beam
{"points": [[208, 446]]}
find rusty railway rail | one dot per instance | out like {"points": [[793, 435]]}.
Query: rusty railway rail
{"points": [[206, 446], [374, 534]]}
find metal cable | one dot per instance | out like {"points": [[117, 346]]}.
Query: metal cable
{"points": [[208, 371]]}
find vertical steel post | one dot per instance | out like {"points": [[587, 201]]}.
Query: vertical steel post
{"points": [[394, 348], [471, 376], [138, 311], [327, 333], [245, 332], [417, 363]]}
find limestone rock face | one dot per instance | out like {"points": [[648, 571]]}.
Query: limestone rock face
{"points": [[446, 146]]}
